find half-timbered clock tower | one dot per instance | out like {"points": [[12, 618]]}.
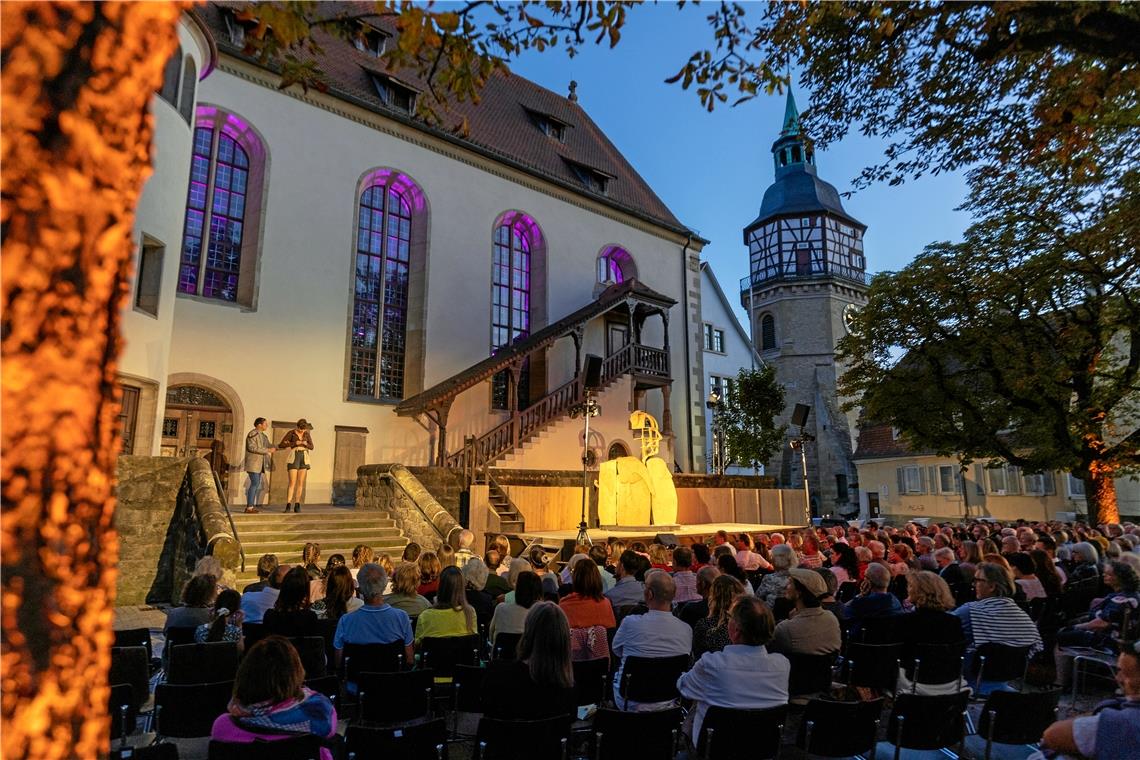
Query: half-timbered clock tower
{"points": [[808, 274]]}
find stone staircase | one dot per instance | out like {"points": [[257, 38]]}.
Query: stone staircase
{"points": [[337, 529]]}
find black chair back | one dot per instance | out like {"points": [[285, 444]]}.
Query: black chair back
{"points": [[328, 685], [898, 587], [650, 735], [847, 591], [810, 674], [725, 730], [1000, 662], [311, 649], [122, 710], [443, 653], [502, 739], [936, 663], [928, 722], [415, 741], [294, 748], [203, 663], [625, 610], [131, 665], [253, 633], [652, 679], [394, 697], [467, 688], [134, 637], [1011, 717], [506, 646], [188, 710], [179, 634], [591, 681], [373, 658], [840, 729], [874, 666]]}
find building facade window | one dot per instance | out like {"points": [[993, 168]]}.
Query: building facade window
{"points": [[189, 87], [148, 281], [714, 339], [767, 332], [910, 480], [380, 298], [170, 74], [1076, 487], [615, 265], [510, 304], [1040, 484]]}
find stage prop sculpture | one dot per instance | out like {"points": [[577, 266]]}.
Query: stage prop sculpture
{"points": [[636, 492]]}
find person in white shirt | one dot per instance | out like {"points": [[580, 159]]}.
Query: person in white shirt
{"points": [[715, 681], [657, 633], [255, 603]]}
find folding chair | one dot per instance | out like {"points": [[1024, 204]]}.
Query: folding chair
{"points": [[936, 664], [327, 685], [505, 646], [414, 741], [810, 674], [187, 711], [294, 748], [840, 729], [652, 679], [928, 722], [443, 653], [131, 665], [873, 666], [123, 712], [726, 730], [252, 633], [387, 698], [311, 649], [621, 735], [1000, 663], [372, 658], [1011, 717], [135, 637], [847, 591], [179, 634], [203, 663], [501, 739], [591, 681]]}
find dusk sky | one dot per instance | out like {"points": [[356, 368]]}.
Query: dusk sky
{"points": [[712, 169]]}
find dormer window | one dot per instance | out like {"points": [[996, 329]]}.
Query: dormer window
{"points": [[394, 94], [371, 40], [549, 125], [594, 179]]}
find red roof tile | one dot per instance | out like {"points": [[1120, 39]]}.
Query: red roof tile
{"points": [[878, 441], [500, 125]]}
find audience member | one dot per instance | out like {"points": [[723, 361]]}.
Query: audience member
{"points": [[588, 612], [598, 555], [464, 554], [1025, 575], [339, 595], [1084, 558], [430, 568], [451, 615], [691, 612], [655, 634], [627, 590], [1107, 614], [711, 633], [475, 574], [810, 629], [744, 675], [266, 566], [683, 576], [197, 598], [541, 679], [497, 584], [995, 617], [361, 556], [310, 559], [929, 623], [405, 595], [773, 585], [376, 622], [502, 545], [255, 603], [226, 620], [844, 564], [291, 616], [510, 617], [874, 601], [412, 552], [701, 556]]}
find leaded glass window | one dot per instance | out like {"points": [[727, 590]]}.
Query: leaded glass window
{"points": [[215, 216], [380, 300], [510, 304]]}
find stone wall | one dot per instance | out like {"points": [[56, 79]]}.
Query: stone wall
{"points": [[444, 484], [395, 490], [157, 529]]}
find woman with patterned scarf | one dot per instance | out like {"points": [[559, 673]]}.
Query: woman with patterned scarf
{"points": [[270, 701]]}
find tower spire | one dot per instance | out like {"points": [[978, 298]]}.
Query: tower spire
{"points": [[791, 116]]}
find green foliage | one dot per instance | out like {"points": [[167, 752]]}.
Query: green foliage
{"points": [[747, 417]]}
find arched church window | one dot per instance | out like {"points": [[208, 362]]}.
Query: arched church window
{"points": [[615, 265], [386, 210], [226, 185], [767, 332], [189, 84], [516, 239], [170, 73]]}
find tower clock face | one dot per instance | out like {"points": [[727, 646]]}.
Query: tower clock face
{"points": [[850, 312]]}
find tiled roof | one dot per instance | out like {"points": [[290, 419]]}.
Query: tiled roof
{"points": [[878, 441], [500, 125]]}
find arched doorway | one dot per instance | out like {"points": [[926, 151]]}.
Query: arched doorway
{"points": [[194, 418], [617, 450]]}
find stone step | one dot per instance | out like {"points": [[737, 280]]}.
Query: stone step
{"points": [[263, 532], [327, 543]]}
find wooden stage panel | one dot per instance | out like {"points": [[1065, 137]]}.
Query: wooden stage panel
{"points": [[556, 537]]}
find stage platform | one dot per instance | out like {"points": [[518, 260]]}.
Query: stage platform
{"points": [[556, 537]]}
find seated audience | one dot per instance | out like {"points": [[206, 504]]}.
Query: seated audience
{"points": [[811, 558], [701, 556], [317, 586], [226, 620], [361, 556], [931, 622], [404, 595], [844, 564], [599, 557], [339, 595], [588, 612], [270, 701], [744, 675], [692, 612], [773, 585], [747, 557], [451, 615], [430, 568], [1025, 575], [721, 538], [810, 629], [684, 576], [502, 545], [510, 617], [1107, 614], [464, 554], [266, 566], [446, 556], [995, 617], [627, 590], [254, 604], [541, 679], [497, 584], [475, 574], [197, 598], [1047, 573], [519, 565], [711, 633], [412, 552], [1084, 558], [1113, 730], [655, 634], [311, 558], [727, 566], [376, 622], [874, 601], [291, 616]]}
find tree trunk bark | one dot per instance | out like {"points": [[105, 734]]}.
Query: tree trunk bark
{"points": [[77, 78], [1100, 496]]}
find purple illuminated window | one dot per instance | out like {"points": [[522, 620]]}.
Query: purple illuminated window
{"points": [[380, 300], [215, 216], [510, 299], [615, 265]]}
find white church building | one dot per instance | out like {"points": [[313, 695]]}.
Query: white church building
{"points": [[418, 295]]}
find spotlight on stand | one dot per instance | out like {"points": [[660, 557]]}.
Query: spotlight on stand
{"points": [[591, 382], [799, 443], [715, 405]]}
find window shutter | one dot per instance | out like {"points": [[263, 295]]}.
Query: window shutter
{"points": [[1048, 484], [957, 480], [921, 479], [1012, 479], [932, 479], [902, 480], [979, 480]]}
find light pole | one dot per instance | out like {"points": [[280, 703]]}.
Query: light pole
{"points": [[799, 443], [587, 409], [714, 404]]}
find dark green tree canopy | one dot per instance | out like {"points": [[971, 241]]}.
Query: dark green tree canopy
{"points": [[747, 417]]}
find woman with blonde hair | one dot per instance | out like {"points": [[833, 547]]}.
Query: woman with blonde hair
{"points": [[711, 634], [930, 623], [404, 596], [543, 667], [361, 556], [502, 545]]}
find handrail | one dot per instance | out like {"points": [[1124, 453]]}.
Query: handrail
{"points": [[230, 517]]}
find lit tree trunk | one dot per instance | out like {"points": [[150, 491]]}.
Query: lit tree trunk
{"points": [[1100, 496], [77, 78]]}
